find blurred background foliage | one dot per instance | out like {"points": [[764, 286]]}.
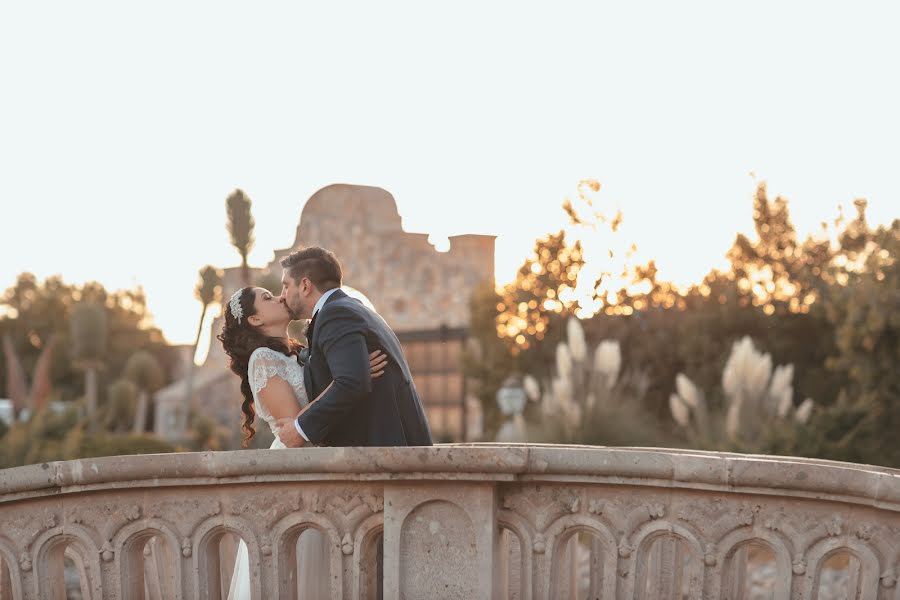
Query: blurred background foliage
{"points": [[827, 307]]}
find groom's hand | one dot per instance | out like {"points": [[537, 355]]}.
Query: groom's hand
{"points": [[288, 434]]}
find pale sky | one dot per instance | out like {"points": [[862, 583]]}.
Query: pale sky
{"points": [[123, 126]]}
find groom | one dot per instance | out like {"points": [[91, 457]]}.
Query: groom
{"points": [[350, 408]]}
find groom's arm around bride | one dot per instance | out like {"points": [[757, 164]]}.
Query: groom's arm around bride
{"points": [[351, 408], [341, 342]]}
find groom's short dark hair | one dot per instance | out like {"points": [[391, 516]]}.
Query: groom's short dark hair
{"points": [[318, 265]]}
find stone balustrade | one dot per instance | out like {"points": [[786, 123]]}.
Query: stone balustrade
{"points": [[456, 521]]}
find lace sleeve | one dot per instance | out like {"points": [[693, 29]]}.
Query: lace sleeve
{"points": [[265, 364]]}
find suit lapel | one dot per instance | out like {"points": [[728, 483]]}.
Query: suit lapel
{"points": [[307, 381], [334, 296], [315, 351]]}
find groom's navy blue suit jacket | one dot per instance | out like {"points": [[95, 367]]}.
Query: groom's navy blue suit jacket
{"points": [[358, 410]]}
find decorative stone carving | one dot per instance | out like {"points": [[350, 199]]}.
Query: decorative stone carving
{"points": [[40, 523], [106, 552], [375, 503], [78, 517], [834, 526], [25, 562], [595, 507], [746, 516], [865, 532], [347, 504], [186, 547], [347, 545], [108, 517], [709, 555], [717, 518], [316, 504], [641, 514], [25, 526], [542, 505], [191, 510], [774, 522], [267, 507], [540, 543], [804, 528], [689, 514], [240, 508], [889, 578], [799, 566]]}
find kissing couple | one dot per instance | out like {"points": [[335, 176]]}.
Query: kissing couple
{"points": [[351, 387]]}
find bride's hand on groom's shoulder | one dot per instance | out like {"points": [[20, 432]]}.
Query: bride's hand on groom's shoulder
{"points": [[288, 434]]}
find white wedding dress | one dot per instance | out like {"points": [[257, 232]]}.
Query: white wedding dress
{"points": [[313, 562]]}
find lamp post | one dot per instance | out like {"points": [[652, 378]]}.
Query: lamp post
{"points": [[511, 399]]}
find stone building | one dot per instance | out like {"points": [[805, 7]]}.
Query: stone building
{"points": [[421, 292]]}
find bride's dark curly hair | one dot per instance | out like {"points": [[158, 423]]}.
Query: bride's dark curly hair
{"points": [[239, 341]]}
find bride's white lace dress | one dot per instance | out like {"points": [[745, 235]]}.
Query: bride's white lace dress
{"points": [[312, 572]]}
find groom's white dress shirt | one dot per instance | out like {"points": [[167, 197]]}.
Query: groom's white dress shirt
{"points": [[316, 309]]}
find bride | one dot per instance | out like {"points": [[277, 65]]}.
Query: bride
{"points": [[266, 359]]}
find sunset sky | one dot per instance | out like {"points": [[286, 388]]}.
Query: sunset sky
{"points": [[123, 126]]}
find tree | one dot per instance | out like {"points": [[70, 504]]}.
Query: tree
{"points": [[53, 329], [120, 409], [512, 328], [208, 291], [41, 387], [16, 387], [36, 312], [89, 331], [541, 294], [865, 316], [776, 272], [144, 371], [240, 228], [571, 272]]}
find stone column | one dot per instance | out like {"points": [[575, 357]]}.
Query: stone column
{"points": [[440, 540]]}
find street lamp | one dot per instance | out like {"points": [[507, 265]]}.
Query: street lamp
{"points": [[511, 399]]}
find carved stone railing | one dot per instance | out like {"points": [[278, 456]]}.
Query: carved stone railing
{"points": [[480, 521]]}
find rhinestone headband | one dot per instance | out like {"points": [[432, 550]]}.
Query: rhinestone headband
{"points": [[235, 304]]}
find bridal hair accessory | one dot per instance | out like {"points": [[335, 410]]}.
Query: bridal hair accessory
{"points": [[235, 304]]}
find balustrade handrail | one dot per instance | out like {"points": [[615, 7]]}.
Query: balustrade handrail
{"points": [[679, 468]]}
